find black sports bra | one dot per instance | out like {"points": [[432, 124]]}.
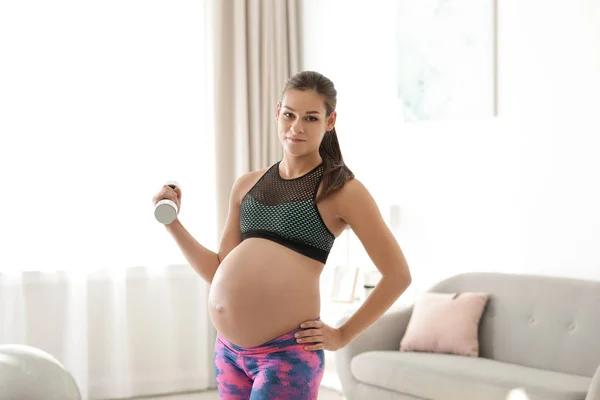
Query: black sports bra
{"points": [[284, 211]]}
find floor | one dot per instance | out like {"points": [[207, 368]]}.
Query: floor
{"points": [[324, 394]]}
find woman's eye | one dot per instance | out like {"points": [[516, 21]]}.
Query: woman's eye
{"points": [[290, 115]]}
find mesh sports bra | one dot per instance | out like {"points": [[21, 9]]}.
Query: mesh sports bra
{"points": [[283, 210]]}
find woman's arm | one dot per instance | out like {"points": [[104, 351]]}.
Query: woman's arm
{"points": [[204, 261], [357, 207]]}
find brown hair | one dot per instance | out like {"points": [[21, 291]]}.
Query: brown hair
{"points": [[335, 171]]}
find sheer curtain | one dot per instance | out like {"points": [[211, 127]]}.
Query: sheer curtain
{"points": [[100, 104]]}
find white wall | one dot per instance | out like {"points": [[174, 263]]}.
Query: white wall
{"points": [[549, 57], [518, 193]]}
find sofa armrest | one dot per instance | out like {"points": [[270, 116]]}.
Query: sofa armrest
{"points": [[594, 390], [385, 334]]}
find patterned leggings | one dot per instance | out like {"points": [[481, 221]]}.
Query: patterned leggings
{"points": [[278, 369]]}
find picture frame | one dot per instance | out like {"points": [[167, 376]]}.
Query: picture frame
{"points": [[345, 279], [446, 59]]}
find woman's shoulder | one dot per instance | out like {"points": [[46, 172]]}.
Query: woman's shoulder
{"points": [[246, 181], [352, 187], [354, 199], [254, 175], [353, 191]]}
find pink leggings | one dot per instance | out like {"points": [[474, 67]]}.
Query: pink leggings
{"points": [[278, 369]]}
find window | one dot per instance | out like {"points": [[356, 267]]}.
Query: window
{"points": [[100, 104]]}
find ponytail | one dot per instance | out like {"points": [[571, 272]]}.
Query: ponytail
{"points": [[335, 171]]}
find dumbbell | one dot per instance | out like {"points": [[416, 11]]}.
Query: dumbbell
{"points": [[165, 211]]}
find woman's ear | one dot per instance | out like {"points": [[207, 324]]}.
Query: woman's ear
{"points": [[331, 120], [277, 110]]}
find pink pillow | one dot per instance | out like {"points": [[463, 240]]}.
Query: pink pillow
{"points": [[445, 323]]}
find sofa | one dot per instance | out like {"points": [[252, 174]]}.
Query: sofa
{"points": [[539, 339]]}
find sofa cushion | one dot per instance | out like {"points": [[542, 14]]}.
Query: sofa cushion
{"points": [[445, 323], [451, 377]]}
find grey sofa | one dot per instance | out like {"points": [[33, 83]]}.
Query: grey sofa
{"points": [[539, 339]]}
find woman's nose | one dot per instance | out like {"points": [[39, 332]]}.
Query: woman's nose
{"points": [[297, 127]]}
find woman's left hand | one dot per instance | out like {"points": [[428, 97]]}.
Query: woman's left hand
{"points": [[317, 335]]}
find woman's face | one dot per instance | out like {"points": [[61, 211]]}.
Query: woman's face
{"points": [[302, 121]]}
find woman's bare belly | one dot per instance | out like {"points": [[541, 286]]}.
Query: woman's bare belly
{"points": [[263, 290]]}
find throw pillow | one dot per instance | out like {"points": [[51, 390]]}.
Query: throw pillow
{"points": [[445, 323]]}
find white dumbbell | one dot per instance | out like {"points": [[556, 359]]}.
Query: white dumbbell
{"points": [[165, 210]]}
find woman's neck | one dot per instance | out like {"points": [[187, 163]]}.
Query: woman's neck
{"points": [[293, 167]]}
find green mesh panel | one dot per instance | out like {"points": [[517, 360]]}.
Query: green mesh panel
{"points": [[286, 208]]}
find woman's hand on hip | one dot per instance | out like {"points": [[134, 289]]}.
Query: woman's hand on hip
{"points": [[317, 335]]}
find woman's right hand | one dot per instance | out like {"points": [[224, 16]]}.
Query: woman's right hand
{"points": [[167, 192]]}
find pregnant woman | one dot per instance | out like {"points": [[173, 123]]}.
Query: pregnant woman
{"points": [[264, 280]]}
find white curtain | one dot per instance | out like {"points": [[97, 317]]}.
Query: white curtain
{"points": [[100, 104], [121, 333]]}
